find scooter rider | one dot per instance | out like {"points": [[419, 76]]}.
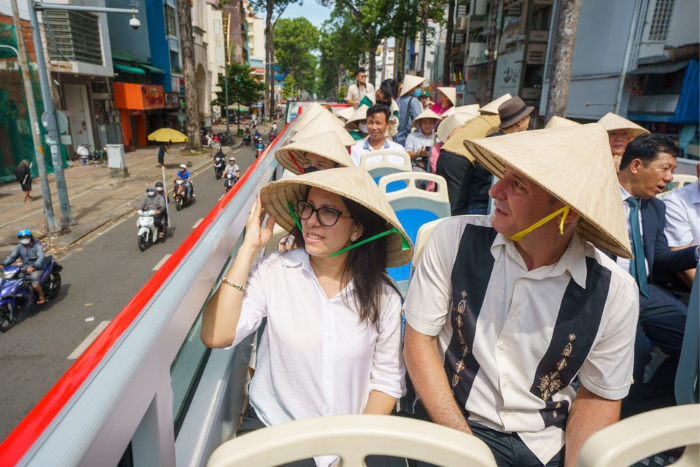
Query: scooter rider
{"points": [[160, 190], [31, 251], [154, 202], [186, 175], [232, 168]]}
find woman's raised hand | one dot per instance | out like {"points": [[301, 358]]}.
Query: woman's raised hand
{"points": [[257, 236]]}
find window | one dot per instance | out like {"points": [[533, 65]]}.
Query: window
{"points": [[71, 36], [219, 54], [217, 26], [658, 31], [170, 29]]}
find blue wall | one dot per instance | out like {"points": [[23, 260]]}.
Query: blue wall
{"points": [[124, 37], [160, 52]]}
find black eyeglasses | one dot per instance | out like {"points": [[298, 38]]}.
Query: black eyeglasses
{"points": [[326, 216]]}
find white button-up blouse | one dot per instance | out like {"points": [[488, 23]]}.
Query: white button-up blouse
{"points": [[315, 356]]}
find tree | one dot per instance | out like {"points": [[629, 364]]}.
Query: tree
{"points": [[567, 25], [243, 88], [289, 87], [342, 49], [448, 42], [184, 18], [294, 41]]}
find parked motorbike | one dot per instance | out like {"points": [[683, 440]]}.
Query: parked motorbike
{"points": [[17, 294], [180, 195], [148, 231], [230, 181], [219, 164]]}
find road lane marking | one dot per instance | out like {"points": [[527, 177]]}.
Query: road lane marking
{"points": [[222, 196], [88, 340], [162, 262], [197, 224]]}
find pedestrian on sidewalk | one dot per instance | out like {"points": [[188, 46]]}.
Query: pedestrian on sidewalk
{"points": [[161, 153], [23, 174]]}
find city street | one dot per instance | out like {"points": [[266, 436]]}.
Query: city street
{"points": [[101, 274]]}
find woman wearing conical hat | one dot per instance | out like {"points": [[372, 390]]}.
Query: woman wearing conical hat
{"points": [[447, 98], [510, 309], [320, 152], [418, 143], [332, 343], [620, 132]]}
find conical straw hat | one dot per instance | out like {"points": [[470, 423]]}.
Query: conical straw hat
{"points": [[345, 113], [472, 109], [410, 82], [359, 115], [492, 107], [612, 122], [325, 145], [425, 114], [323, 123], [309, 114], [573, 164], [451, 94], [558, 122], [449, 124], [478, 127], [354, 183]]}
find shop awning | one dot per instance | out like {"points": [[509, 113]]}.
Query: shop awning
{"points": [[238, 107], [152, 69], [661, 69], [129, 69]]}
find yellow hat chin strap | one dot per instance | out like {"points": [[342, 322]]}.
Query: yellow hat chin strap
{"points": [[565, 210]]}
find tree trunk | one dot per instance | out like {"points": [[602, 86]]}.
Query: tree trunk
{"points": [[384, 54], [269, 61], [424, 38], [564, 43], [446, 77], [372, 62], [184, 18]]}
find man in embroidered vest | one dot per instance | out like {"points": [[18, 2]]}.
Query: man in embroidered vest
{"points": [[504, 312]]}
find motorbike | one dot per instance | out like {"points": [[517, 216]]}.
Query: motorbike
{"points": [[210, 140], [17, 294], [230, 181], [180, 195], [219, 164], [148, 231], [247, 140]]}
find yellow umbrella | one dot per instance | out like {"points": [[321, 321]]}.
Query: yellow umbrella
{"points": [[168, 135]]}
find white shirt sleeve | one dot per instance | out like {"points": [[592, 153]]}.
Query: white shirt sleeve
{"points": [[388, 368], [429, 296], [254, 306], [607, 372], [412, 144], [678, 232], [356, 157]]}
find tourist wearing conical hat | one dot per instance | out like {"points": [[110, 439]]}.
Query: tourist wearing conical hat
{"points": [[447, 127], [447, 98], [419, 142], [409, 106], [320, 152], [504, 312], [621, 131], [646, 169], [332, 343], [357, 124], [377, 124]]}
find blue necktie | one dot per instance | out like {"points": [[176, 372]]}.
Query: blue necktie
{"points": [[638, 267]]}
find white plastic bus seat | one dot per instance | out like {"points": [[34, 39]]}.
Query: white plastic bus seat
{"points": [[423, 236], [352, 438], [633, 439], [378, 164], [278, 233], [686, 387], [679, 181], [414, 207]]}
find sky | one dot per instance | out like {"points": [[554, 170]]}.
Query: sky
{"points": [[310, 10]]}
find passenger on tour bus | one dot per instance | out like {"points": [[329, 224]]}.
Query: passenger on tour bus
{"points": [[504, 312], [320, 152], [620, 132], [377, 123], [332, 342]]}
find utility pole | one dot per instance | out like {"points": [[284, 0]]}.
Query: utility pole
{"points": [[564, 42], [491, 66], [52, 127], [23, 58]]}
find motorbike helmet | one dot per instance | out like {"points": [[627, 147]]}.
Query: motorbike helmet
{"points": [[232, 159], [159, 186], [151, 190], [183, 166], [24, 233]]}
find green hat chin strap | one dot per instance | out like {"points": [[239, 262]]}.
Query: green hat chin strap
{"points": [[404, 242]]}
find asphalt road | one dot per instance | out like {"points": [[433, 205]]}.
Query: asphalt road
{"points": [[100, 275]]}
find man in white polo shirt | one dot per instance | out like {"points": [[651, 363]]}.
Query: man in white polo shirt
{"points": [[377, 123], [505, 311]]}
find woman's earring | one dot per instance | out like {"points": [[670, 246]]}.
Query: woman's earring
{"points": [[352, 239]]}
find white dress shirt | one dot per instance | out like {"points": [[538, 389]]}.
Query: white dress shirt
{"points": [[363, 146], [315, 357], [514, 329], [683, 216], [624, 263]]}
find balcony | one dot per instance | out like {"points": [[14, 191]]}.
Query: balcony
{"points": [[536, 54], [462, 25], [538, 35], [477, 53], [458, 49], [531, 94], [476, 21]]}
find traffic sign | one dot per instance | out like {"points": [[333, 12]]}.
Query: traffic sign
{"points": [[61, 121]]}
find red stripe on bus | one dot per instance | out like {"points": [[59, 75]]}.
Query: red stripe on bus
{"points": [[21, 439]]}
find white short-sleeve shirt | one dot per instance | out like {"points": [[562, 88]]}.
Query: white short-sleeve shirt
{"points": [[683, 216], [416, 141], [315, 357], [512, 353], [363, 146]]}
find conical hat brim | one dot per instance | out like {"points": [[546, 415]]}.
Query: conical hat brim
{"points": [[558, 122], [410, 82], [325, 145], [309, 114], [425, 114], [346, 113], [612, 122], [449, 124], [478, 127], [359, 115], [472, 109], [451, 94], [353, 183], [323, 123], [492, 107], [573, 165]]}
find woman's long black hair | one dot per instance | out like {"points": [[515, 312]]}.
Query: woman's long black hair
{"points": [[366, 264]]}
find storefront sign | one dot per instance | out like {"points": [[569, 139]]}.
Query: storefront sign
{"points": [[508, 69]]}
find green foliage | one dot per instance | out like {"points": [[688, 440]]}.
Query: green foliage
{"points": [[294, 40], [343, 48], [242, 86], [289, 90]]}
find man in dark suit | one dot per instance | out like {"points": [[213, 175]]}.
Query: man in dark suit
{"points": [[646, 168]]}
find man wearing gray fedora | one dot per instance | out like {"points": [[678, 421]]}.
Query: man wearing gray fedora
{"points": [[515, 116]]}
